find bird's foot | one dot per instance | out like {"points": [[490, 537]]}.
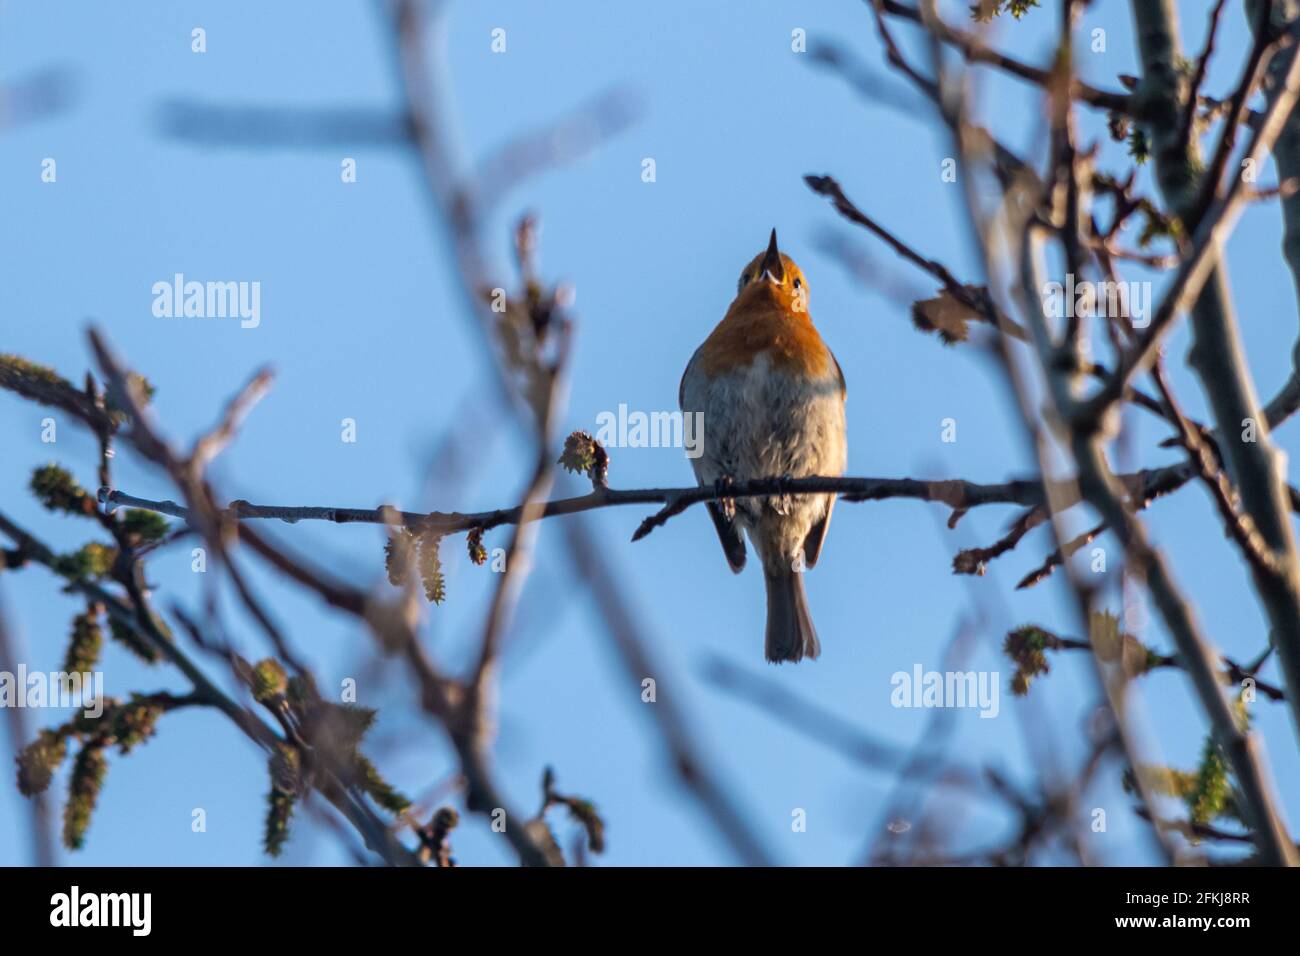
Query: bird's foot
{"points": [[726, 505], [782, 504]]}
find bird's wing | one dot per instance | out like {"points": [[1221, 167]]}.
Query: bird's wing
{"points": [[839, 373], [812, 545], [733, 542], [681, 386], [729, 533]]}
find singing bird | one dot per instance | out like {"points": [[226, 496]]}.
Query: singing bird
{"points": [[772, 397]]}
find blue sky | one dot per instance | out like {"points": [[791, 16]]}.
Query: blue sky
{"points": [[360, 319]]}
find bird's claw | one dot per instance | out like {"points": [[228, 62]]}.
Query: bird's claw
{"points": [[782, 504], [726, 505]]}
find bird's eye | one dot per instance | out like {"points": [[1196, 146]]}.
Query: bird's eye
{"points": [[744, 279], [798, 283]]}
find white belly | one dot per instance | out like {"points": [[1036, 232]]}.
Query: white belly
{"points": [[760, 422]]}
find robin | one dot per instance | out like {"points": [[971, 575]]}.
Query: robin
{"points": [[772, 397]]}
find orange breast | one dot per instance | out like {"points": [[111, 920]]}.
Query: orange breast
{"points": [[763, 320]]}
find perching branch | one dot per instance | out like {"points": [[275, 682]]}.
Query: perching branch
{"points": [[955, 493]]}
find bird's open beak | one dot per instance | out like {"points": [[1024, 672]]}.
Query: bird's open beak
{"points": [[772, 268]]}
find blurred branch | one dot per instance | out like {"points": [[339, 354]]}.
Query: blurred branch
{"points": [[972, 297], [1200, 265], [1233, 673], [1255, 465], [1101, 489], [1202, 66], [44, 386], [39, 831], [1015, 222], [865, 81], [1240, 525], [460, 214], [144, 623], [679, 735], [36, 96], [217, 125], [975, 51], [816, 722], [1286, 154]]}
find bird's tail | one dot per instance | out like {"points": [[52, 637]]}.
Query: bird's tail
{"points": [[790, 632]]}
